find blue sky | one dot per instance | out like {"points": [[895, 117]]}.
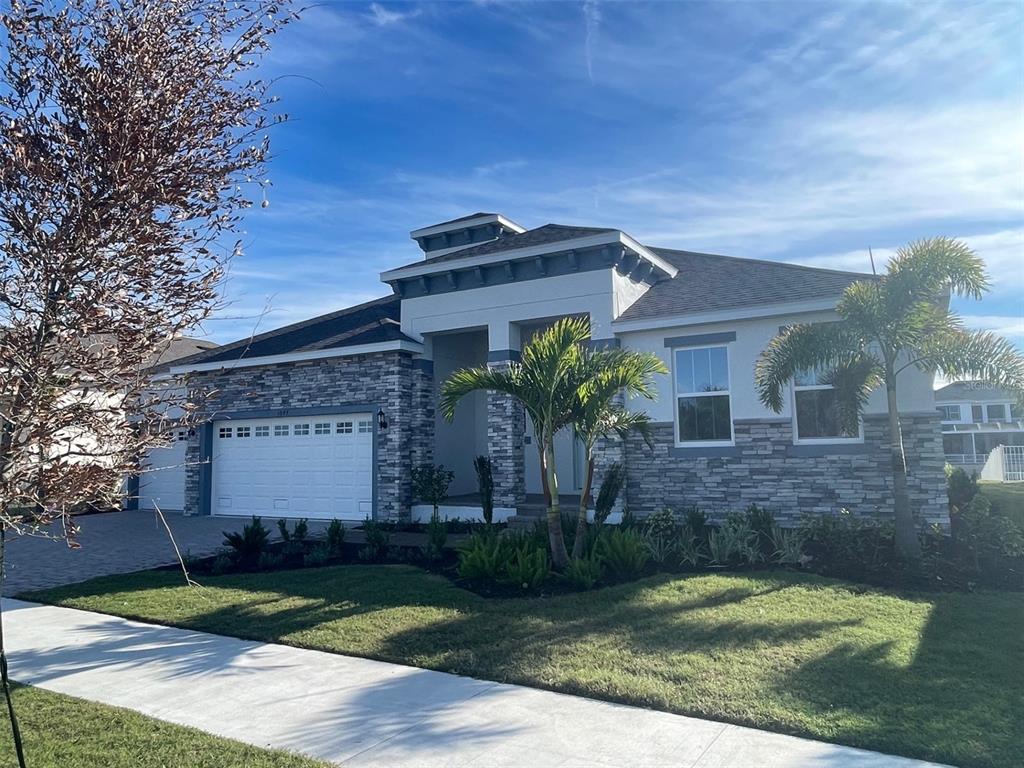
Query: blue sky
{"points": [[801, 132]]}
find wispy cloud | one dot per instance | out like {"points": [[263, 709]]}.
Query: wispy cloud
{"points": [[592, 22], [383, 16]]}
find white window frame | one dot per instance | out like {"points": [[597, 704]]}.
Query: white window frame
{"points": [[676, 394], [364, 426], [344, 428], [243, 431], [959, 412], [282, 430], [261, 430], [321, 428], [301, 430], [1006, 413], [797, 440]]}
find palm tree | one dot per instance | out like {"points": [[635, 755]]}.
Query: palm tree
{"points": [[886, 326], [545, 382], [603, 376]]}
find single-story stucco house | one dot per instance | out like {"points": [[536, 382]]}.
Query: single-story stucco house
{"points": [[327, 417]]}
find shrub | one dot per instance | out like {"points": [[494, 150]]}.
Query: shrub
{"points": [[961, 486], [788, 545], [485, 486], [270, 561], [437, 537], [661, 522], [762, 523], [317, 557], [737, 535], [660, 539], [249, 544], [482, 557], [622, 552], [608, 493], [377, 540], [695, 519], [527, 567], [335, 539], [222, 564], [721, 546], [986, 535], [689, 548], [583, 572], [629, 521], [844, 544], [294, 541], [430, 483]]}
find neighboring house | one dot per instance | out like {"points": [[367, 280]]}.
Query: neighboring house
{"points": [[327, 417], [976, 419], [162, 481]]}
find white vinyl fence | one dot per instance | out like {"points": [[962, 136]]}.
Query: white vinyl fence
{"points": [[1005, 464]]}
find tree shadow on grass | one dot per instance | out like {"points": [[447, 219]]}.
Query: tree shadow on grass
{"points": [[960, 699]]}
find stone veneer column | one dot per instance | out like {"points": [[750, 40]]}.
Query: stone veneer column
{"points": [[506, 427]]}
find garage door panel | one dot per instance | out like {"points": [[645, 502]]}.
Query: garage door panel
{"points": [[320, 467], [162, 483]]}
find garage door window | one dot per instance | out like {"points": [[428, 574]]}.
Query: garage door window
{"points": [[280, 430], [301, 429], [364, 427], [344, 427], [263, 431], [224, 432], [243, 432], [322, 428]]}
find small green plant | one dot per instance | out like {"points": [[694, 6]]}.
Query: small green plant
{"points": [[611, 485], [222, 564], [482, 557], [961, 487], [485, 486], [583, 572], [430, 484], [739, 539], [662, 522], [622, 552], [788, 545], [437, 537], [689, 548], [628, 521], [270, 561], [294, 540], [317, 557], [762, 523], [659, 536], [378, 538], [248, 544], [334, 539], [527, 567]]}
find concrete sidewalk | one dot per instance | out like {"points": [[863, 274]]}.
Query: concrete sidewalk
{"points": [[367, 713]]}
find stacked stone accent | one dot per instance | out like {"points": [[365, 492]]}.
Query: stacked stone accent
{"points": [[506, 427], [767, 469], [393, 381]]}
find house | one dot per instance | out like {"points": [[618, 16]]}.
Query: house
{"points": [[162, 480], [976, 419], [327, 417]]}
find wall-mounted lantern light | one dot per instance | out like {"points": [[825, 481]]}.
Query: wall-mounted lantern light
{"points": [[382, 419]]}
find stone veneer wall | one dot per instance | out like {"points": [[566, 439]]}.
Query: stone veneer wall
{"points": [[769, 471], [393, 381], [506, 428]]}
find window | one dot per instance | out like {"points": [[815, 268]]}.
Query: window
{"points": [[997, 412], [181, 434], [280, 430], [1015, 412], [817, 416], [976, 414], [301, 429], [344, 427], [703, 407], [365, 427], [322, 428], [950, 412], [243, 432], [263, 431], [224, 432]]}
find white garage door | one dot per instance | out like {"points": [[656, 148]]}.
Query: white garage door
{"points": [[317, 467], [163, 483]]}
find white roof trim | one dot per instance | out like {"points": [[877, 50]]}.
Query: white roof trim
{"points": [[725, 315], [295, 357], [603, 238], [477, 221]]}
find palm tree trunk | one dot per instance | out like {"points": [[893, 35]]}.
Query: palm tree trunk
{"points": [[579, 543], [907, 543], [559, 555]]}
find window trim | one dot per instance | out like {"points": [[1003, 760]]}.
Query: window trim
{"points": [[1003, 420], [676, 394], [797, 440], [959, 411]]}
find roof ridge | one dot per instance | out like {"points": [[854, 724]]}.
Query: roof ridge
{"points": [[658, 249]]}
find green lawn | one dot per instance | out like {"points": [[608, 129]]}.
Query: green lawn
{"points": [[1007, 498], [63, 732], [937, 676]]}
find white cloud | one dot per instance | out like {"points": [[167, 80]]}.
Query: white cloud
{"points": [[592, 21], [382, 16], [1004, 325]]}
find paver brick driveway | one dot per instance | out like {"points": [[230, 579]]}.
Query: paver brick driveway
{"points": [[114, 542]]}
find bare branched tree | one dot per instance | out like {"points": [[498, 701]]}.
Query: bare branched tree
{"points": [[133, 134]]}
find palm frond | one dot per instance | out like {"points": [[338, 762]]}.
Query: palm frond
{"points": [[802, 347], [926, 269], [978, 355], [468, 380], [853, 383]]}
